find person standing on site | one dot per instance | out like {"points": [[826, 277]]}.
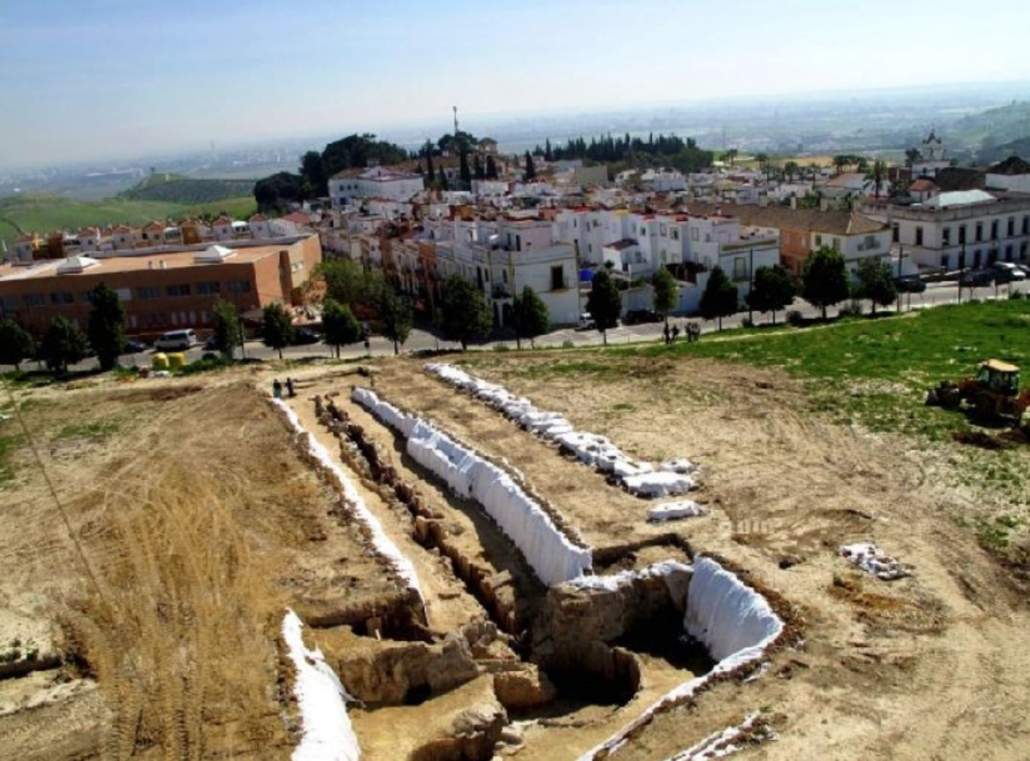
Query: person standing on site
{"points": [[277, 389], [289, 388]]}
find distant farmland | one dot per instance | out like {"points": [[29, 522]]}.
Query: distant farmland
{"points": [[46, 213]]}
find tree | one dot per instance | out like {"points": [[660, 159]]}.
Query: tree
{"points": [[106, 327], [824, 279], [604, 303], [730, 156], [548, 155], [64, 344], [276, 192], [312, 170], [348, 282], [441, 178], [877, 176], [720, 297], [428, 150], [464, 313], [876, 282], [463, 169], [912, 155], [530, 316], [396, 313], [530, 169], [773, 289], [763, 163], [228, 333], [340, 325], [790, 169], [665, 292], [477, 168], [277, 330], [16, 344]]}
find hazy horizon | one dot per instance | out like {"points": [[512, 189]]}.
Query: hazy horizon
{"points": [[98, 80]]}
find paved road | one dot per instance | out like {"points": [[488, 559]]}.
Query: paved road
{"points": [[420, 340]]}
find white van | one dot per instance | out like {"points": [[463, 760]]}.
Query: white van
{"points": [[176, 340]]}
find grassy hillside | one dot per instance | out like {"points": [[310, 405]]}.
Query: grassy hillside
{"points": [[45, 213], [178, 189], [993, 127]]}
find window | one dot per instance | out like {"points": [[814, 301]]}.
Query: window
{"points": [[919, 236], [962, 260], [62, 298], [946, 236], [1008, 253], [945, 260], [740, 268], [34, 299], [209, 288], [675, 233], [978, 257], [1022, 251], [961, 234], [557, 278], [994, 229], [178, 290], [663, 230], [1011, 227], [979, 231], [1026, 224], [895, 233], [818, 241], [239, 286], [693, 234]]}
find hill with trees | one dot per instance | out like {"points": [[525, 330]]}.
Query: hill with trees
{"points": [[665, 150], [174, 188]]}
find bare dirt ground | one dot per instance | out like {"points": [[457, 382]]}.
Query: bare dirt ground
{"points": [[198, 525], [935, 666]]}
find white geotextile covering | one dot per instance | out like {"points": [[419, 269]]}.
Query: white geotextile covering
{"points": [[327, 734], [871, 559], [550, 553], [613, 582], [716, 745], [382, 543], [641, 478], [671, 511], [729, 618]]}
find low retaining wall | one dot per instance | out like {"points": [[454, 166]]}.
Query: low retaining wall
{"points": [[550, 553]]}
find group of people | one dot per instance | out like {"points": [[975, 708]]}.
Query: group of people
{"points": [[277, 388], [692, 330]]}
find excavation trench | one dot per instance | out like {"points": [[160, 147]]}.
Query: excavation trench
{"points": [[581, 658]]}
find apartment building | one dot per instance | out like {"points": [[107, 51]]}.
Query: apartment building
{"points": [[376, 182], [172, 288]]}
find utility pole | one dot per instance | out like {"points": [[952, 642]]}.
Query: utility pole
{"points": [[901, 253], [961, 272], [751, 284]]}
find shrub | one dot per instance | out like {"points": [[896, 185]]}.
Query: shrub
{"points": [[1016, 296], [794, 318], [502, 347], [567, 345], [747, 322]]}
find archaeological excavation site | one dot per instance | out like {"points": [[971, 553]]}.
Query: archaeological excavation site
{"points": [[466, 558]]}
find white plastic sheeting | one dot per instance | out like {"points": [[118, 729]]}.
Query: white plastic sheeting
{"points": [[640, 478], [718, 744], [732, 620], [613, 582], [382, 543], [871, 559], [671, 511], [549, 552], [327, 734]]}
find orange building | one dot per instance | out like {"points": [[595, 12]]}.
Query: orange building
{"points": [[161, 291]]}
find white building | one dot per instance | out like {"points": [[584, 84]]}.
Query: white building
{"points": [[376, 182], [966, 228]]}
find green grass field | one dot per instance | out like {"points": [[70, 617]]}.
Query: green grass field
{"points": [[46, 213]]}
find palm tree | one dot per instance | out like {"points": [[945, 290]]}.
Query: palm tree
{"points": [[730, 155], [877, 176], [790, 169]]}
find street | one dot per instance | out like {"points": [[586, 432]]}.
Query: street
{"points": [[936, 294]]}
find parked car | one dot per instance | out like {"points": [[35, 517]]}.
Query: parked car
{"points": [[586, 322], [176, 340], [134, 346], [910, 284], [638, 316], [305, 336], [1006, 272], [976, 278]]}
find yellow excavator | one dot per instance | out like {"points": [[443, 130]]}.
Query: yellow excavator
{"points": [[993, 395]]}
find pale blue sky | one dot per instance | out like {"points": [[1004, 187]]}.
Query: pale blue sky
{"points": [[85, 79]]}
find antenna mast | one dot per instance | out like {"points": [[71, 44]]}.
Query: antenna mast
{"points": [[455, 120]]}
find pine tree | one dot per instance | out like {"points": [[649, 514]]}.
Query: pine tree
{"points": [[106, 327], [530, 316], [429, 160], [396, 313], [277, 327], [16, 344], [665, 292], [719, 298], [491, 168], [773, 289], [604, 303], [63, 345], [228, 334], [824, 279], [530, 169], [463, 170], [477, 168], [340, 326], [548, 155]]}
